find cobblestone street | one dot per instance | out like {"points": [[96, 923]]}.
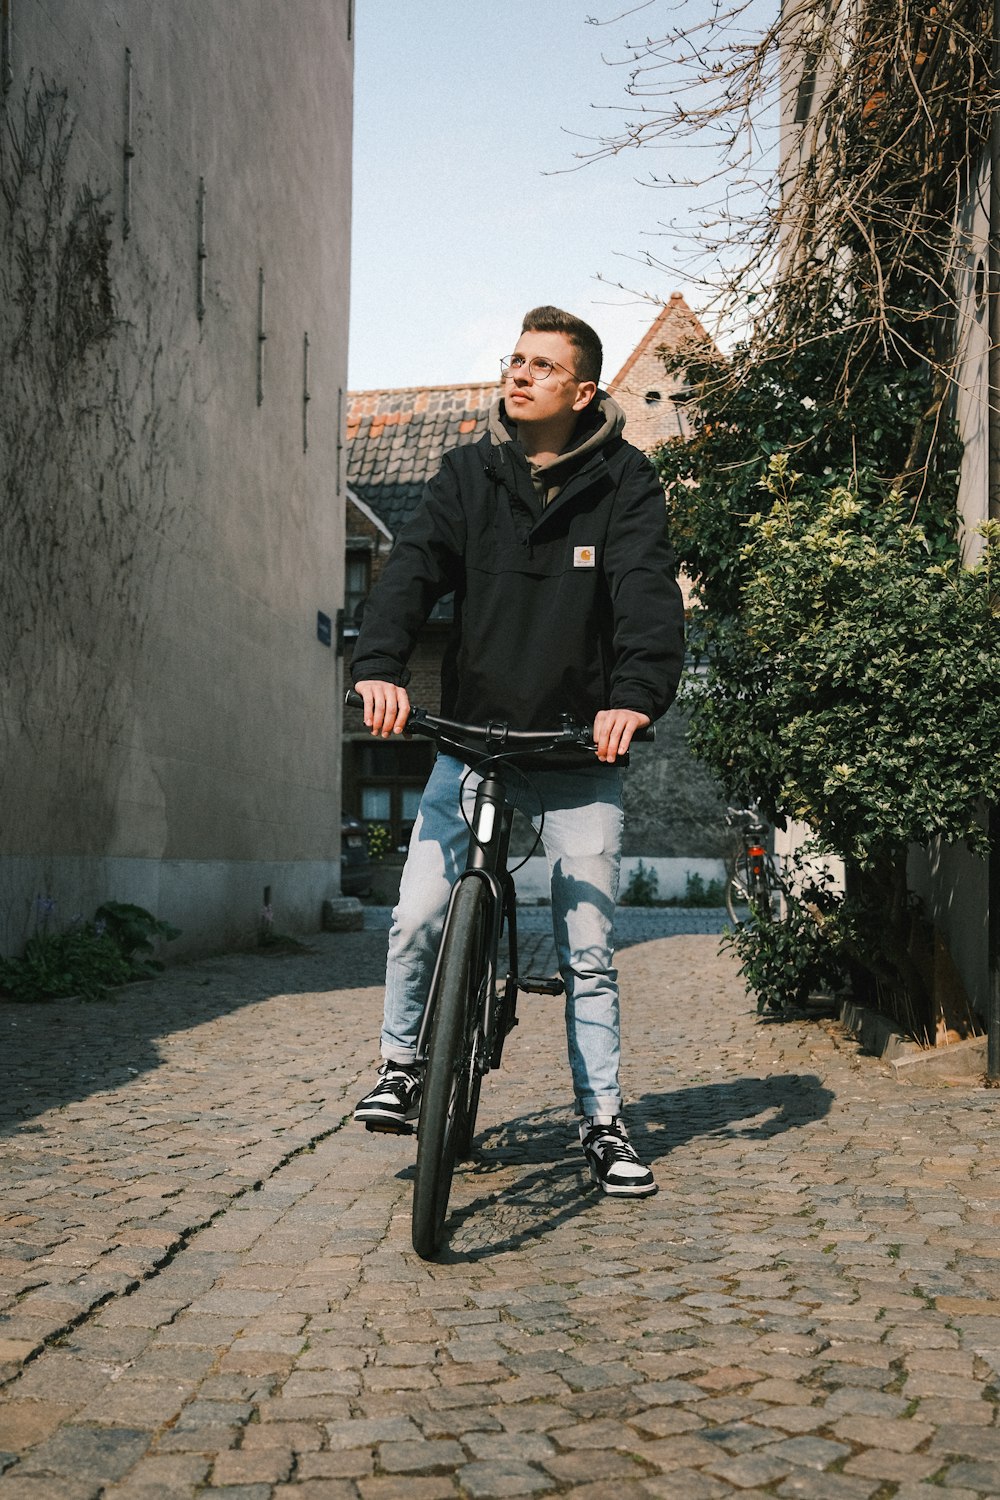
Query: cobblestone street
{"points": [[208, 1286]]}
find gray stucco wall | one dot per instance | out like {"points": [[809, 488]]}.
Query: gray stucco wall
{"points": [[169, 721]]}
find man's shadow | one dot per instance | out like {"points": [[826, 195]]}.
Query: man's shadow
{"points": [[553, 1181]]}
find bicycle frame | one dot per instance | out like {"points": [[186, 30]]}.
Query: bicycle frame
{"points": [[489, 840]]}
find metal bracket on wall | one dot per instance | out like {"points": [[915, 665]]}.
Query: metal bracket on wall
{"points": [[261, 337], [128, 150], [306, 397], [6, 46], [340, 432], [202, 250]]}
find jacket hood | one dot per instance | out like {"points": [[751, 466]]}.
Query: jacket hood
{"points": [[602, 420]]}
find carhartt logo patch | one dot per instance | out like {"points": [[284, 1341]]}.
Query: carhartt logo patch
{"points": [[584, 557]]}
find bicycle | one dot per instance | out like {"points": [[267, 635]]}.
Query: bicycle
{"points": [[751, 879], [469, 1013]]}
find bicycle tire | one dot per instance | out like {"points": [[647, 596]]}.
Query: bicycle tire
{"points": [[736, 893], [451, 1092]]}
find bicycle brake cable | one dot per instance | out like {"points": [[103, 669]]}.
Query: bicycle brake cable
{"points": [[503, 757]]}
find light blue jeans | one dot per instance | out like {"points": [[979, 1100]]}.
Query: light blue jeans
{"points": [[582, 836]]}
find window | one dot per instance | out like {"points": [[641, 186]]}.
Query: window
{"points": [[357, 585], [376, 804], [383, 784]]}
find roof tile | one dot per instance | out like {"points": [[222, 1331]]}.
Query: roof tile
{"points": [[397, 438]]}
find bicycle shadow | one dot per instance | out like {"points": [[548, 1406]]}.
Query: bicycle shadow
{"points": [[542, 1181]]}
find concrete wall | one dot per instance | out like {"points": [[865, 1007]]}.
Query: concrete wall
{"points": [[169, 721]]}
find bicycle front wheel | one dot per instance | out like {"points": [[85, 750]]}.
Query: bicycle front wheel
{"points": [[451, 1082]]}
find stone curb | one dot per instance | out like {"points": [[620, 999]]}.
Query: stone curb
{"points": [[963, 1061]]}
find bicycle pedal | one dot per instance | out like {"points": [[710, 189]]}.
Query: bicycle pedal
{"points": [[378, 1128], [540, 984]]}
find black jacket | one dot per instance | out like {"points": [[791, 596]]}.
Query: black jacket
{"points": [[572, 606]]}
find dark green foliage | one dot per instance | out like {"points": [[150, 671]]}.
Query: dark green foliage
{"points": [[848, 659], [699, 892], [133, 929], [643, 888], [81, 962], [783, 963], [89, 958]]}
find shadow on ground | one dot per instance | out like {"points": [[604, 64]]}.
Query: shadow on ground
{"points": [[552, 1183], [57, 1052]]}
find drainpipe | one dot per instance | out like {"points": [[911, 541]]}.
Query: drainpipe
{"points": [[993, 919]]}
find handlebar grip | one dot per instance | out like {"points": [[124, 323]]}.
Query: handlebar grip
{"points": [[353, 699]]}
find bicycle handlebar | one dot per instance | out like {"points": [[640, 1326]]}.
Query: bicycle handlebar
{"points": [[498, 736]]}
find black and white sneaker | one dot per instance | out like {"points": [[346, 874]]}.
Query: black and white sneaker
{"points": [[614, 1165], [394, 1101]]}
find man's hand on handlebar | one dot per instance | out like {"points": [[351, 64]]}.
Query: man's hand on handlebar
{"points": [[387, 707], [613, 731]]}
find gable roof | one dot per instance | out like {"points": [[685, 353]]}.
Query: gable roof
{"points": [[397, 438], [674, 326]]}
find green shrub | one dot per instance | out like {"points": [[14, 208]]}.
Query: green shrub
{"points": [[133, 929], [783, 963], [88, 958], [643, 888], [698, 892]]}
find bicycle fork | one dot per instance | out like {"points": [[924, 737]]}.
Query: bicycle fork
{"points": [[489, 841]]}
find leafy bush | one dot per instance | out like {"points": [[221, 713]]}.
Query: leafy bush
{"points": [[88, 958], [699, 892], [133, 929], [642, 889], [847, 659], [783, 963]]}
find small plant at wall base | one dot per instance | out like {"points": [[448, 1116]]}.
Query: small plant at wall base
{"points": [[379, 841], [643, 888], [699, 892], [86, 959], [783, 963]]}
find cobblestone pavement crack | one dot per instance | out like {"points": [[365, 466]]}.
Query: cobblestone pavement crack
{"points": [[208, 1287]]}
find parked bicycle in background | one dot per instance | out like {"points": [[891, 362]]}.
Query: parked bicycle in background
{"points": [[753, 886]]}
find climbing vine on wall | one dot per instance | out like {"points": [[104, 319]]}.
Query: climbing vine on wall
{"points": [[84, 429]]}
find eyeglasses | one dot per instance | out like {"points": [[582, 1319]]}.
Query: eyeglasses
{"points": [[538, 368]]}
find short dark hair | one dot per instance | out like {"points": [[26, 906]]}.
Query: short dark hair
{"points": [[579, 333]]}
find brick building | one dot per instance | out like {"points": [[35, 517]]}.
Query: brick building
{"points": [[643, 389]]}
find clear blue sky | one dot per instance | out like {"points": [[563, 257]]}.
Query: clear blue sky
{"points": [[464, 212]]}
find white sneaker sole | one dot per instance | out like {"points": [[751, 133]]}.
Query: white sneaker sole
{"points": [[623, 1189]]}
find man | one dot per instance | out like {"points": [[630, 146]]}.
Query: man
{"points": [[550, 533]]}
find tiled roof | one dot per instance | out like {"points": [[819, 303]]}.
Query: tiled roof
{"points": [[396, 439]]}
